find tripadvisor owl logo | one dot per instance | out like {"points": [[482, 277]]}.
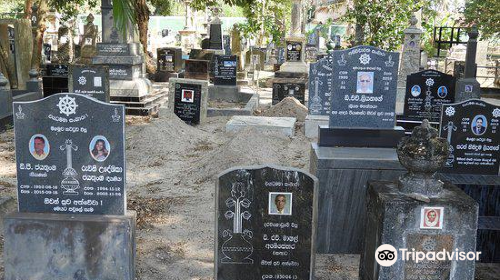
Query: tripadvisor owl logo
{"points": [[386, 255]]}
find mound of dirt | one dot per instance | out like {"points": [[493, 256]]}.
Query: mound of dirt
{"points": [[288, 107]]}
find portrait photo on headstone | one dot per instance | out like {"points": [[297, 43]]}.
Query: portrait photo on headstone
{"points": [[364, 82], [280, 203]]}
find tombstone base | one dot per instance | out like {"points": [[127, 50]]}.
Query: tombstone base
{"points": [[312, 124], [294, 67], [60, 246], [165, 76], [360, 137], [137, 88], [395, 218], [232, 94], [291, 75], [282, 125]]}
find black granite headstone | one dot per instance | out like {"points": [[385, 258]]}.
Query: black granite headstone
{"points": [[55, 79], [284, 88], [265, 224], [47, 51], [294, 51], [187, 102], [225, 70], [364, 92], [215, 41], [90, 80], [320, 87], [472, 128], [70, 154], [426, 92]]}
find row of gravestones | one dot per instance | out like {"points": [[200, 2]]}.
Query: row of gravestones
{"points": [[70, 158], [356, 88]]}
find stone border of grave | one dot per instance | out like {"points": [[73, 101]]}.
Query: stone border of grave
{"points": [[240, 95]]}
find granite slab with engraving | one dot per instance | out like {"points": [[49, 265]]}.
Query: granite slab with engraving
{"points": [[225, 70], [169, 59], [426, 92], [294, 51], [364, 91], [320, 87], [90, 80], [70, 155], [473, 130], [265, 224]]}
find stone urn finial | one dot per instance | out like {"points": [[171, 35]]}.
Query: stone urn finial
{"points": [[413, 20], [422, 155], [3, 81], [33, 73]]}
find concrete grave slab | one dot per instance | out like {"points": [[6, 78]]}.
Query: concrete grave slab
{"points": [[283, 125]]}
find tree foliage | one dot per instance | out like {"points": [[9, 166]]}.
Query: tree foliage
{"points": [[485, 14], [381, 22]]}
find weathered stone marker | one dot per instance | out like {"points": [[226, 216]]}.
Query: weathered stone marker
{"points": [[419, 213], [90, 80], [72, 221], [265, 224], [472, 130]]}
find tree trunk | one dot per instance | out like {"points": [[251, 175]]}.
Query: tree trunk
{"points": [[27, 8], [36, 58], [142, 17], [5, 64]]}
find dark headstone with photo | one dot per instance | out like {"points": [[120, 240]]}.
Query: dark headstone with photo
{"points": [[225, 70], [289, 88], [70, 156], [294, 51], [189, 99], [320, 87], [363, 103], [472, 129], [90, 80], [169, 63], [197, 69], [426, 92], [265, 224], [55, 79]]}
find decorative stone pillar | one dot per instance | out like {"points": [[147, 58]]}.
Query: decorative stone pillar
{"points": [[410, 56], [188, 33], [468, 87], [295, 43]]}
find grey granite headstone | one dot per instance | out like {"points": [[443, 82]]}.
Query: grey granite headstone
{"points": [[70, 155], [265, 224], [364, 92], [320, 87], [90, 80], [425, 94], [472, 130]]}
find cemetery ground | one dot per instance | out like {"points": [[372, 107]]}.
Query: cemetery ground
{"points": [[171, 173]]}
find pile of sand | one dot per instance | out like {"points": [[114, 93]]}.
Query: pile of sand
{"points": [[288, 107]]}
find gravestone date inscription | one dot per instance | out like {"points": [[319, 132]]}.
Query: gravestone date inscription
{"points": [[472, 129], [364, 91], [265, 224], [70, 155], [187, 103], [90, 80], [425, 94]]}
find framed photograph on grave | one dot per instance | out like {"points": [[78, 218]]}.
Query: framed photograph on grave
{"points": [[416, 91], [479, 125], [364, 82], [431, 218], [39, 146], [99, 148], [280, 203], [187, 96]]}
